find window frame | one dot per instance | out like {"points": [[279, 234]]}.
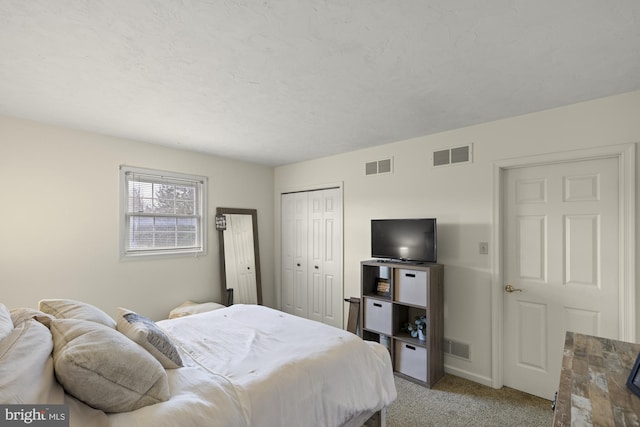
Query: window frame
{"points": [[159, 176]]}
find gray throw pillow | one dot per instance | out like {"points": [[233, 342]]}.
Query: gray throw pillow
{"points": [[145, 332]]}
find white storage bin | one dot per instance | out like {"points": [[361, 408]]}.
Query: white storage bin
{"points": [[411, 360], [377, 316], [411, 287]]}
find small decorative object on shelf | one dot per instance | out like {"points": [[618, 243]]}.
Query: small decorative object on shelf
{"points": [[383, 288], [417, 328], [384, 340]]}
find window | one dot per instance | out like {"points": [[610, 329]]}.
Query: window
{"points": [[162, 212]]}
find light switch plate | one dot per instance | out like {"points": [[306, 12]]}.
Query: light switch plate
{"points": [[484, 248]]}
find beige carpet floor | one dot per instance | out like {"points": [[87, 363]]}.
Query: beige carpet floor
{"points": [[454, 401]]}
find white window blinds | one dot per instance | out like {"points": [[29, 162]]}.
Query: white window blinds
{"points": [[163, 212]]}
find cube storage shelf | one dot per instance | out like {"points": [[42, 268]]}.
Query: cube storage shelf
{"points": [[393, 294]]}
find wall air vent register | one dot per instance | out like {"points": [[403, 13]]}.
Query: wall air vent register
{"points": [[379, 167], [453, 155]]}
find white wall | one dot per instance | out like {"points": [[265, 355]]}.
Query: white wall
{"points": [[460, 197], [59, 219]]}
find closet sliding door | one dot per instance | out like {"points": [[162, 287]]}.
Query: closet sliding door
{"points": [[312, 255]]}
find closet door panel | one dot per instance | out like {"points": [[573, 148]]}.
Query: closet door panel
{"points": [[300, 261], [316, 255], [332, 258], [288, 248], [312, 255]]}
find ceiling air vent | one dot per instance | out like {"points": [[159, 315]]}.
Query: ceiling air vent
{"points": [[452, 156], [378, 167]]}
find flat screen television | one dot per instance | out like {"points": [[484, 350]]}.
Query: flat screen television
{"points": [[404, 239]]}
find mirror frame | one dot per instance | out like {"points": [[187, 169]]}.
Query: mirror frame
{"points": [[256, 251]]}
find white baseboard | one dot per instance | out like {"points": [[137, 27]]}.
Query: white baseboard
{"points": [[468, 375]]}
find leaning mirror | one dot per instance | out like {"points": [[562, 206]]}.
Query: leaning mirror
{"points": [[239, 255]]}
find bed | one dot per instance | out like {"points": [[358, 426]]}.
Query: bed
{"points": [[243, 365]]}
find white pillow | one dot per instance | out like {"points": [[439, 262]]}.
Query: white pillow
{"points": [[71, 309], [105, 369], [6, 324], [26, 366], [20, 314], [188, 307], [145, 332]]}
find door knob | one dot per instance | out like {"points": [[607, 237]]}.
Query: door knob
{"points": [[510, 288]]}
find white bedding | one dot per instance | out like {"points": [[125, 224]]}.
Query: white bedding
{"points": [[248, 365]]}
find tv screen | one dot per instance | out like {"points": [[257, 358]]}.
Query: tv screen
{"points": [[404, 239]]}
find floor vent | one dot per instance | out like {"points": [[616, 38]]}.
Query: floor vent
{"points": [[457, 349], [452, 156], [378, 167]]}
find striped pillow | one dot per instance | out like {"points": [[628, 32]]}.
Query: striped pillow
{"points": [[145, 332]]}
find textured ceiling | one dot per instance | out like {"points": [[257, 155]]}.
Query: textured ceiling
{"points": [[276, 82]]}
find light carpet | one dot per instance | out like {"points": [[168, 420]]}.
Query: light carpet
{"points": [[454, 401]]}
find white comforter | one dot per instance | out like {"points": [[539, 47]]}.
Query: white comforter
{"points": [[248, 365]]}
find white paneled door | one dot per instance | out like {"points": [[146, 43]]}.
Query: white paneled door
{"points": [[325, 252], [312, 255], [294, 253], [287, 224], [561, 265]]}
